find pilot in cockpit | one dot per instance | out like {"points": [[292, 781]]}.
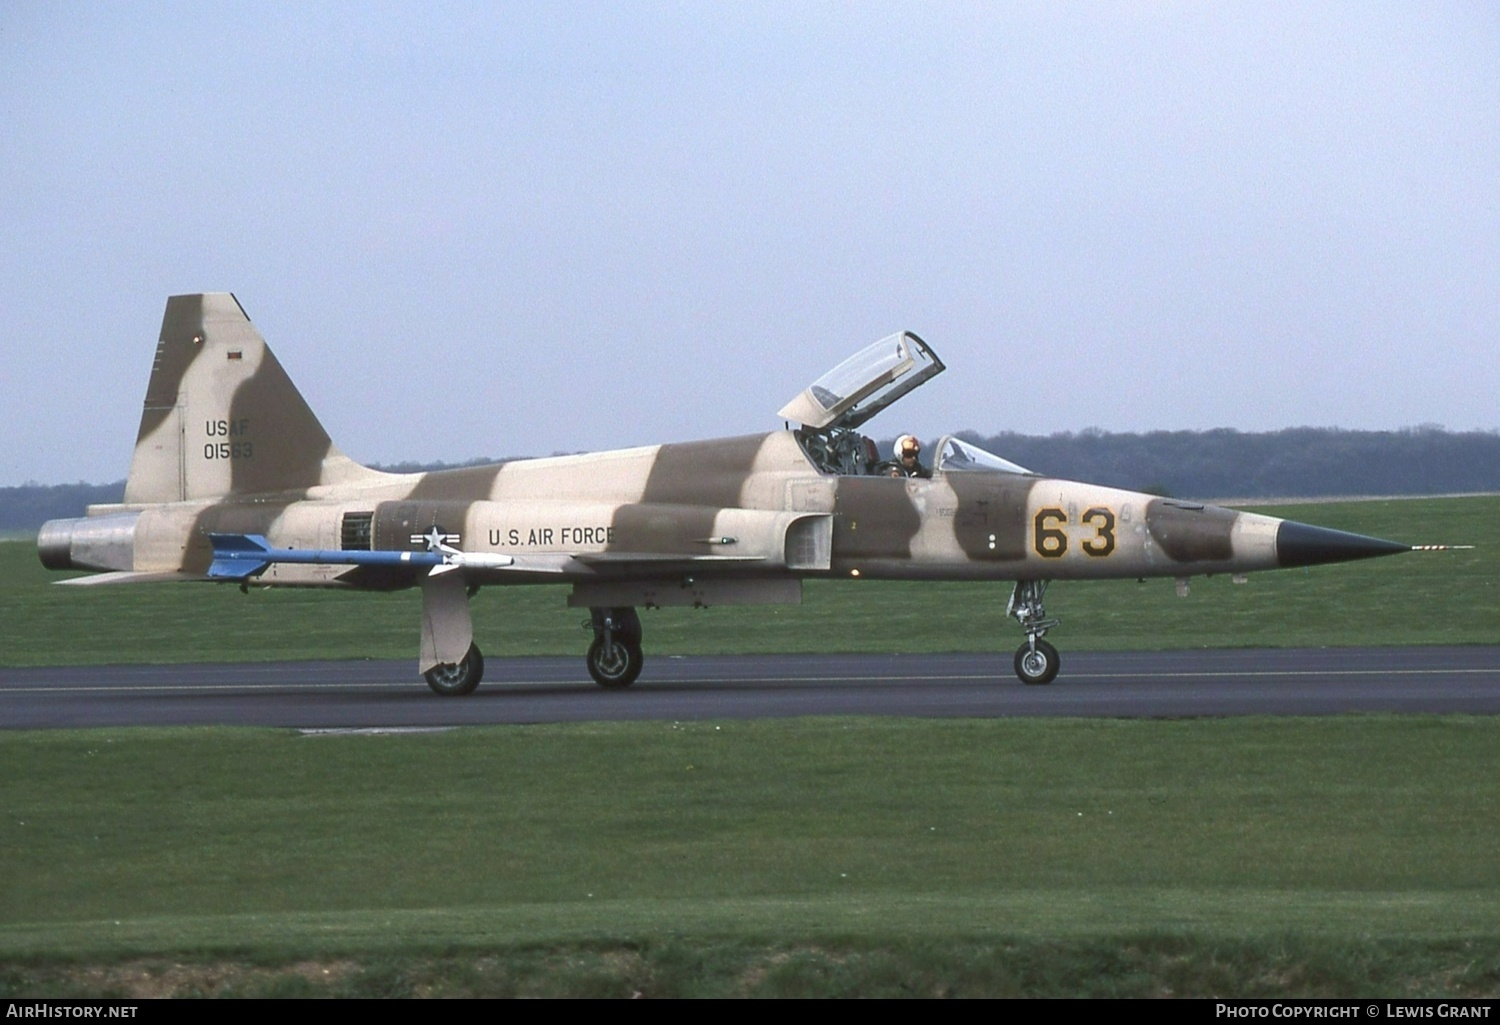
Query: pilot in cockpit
{"points": [[909, 454]]}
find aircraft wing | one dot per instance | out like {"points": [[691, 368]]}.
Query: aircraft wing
{"points": [[129, 577], [657, 558], [243, 556]]}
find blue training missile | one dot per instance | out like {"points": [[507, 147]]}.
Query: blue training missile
{"points": [[242, 556]]}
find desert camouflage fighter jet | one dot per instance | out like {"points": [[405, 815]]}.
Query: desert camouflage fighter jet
{"points": [[234, 479]]}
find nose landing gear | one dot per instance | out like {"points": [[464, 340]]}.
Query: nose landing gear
{"points": [[1036, 661]]}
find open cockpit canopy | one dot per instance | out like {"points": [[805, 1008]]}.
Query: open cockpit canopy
{"points": [[864, 384], [832, 407]]}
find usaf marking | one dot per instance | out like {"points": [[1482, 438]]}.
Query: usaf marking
{"points": [[435, 539], [227, 449], [533, 537]]}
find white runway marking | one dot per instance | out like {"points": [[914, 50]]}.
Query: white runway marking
{"points": [[147, 688]]}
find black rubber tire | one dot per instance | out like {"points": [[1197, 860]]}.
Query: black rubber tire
{"points": [[456, 680], [1038, 668], [617, 668]]}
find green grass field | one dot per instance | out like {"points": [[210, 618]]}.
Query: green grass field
{"points": [[815, 840], [1422, 598], [1355, 855]]}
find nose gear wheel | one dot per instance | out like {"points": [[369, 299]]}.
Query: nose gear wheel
{"points": [[1036, 665], [1036, 661]]}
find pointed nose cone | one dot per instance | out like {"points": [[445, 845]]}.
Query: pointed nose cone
{"points": [[1298, 544]]}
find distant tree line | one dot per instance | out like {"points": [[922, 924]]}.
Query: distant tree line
{"points": [[1293, 463], [24, 509], [27, 507]]}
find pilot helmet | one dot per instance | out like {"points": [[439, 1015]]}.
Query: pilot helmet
{"points": [[908, 447]]}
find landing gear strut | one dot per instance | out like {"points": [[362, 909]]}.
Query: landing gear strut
{"points": [[615, 658], [1036, 660]]}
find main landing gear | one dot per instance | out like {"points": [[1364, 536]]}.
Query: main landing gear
{"points": [[615, 657], [455, 679], [1036, 660]]}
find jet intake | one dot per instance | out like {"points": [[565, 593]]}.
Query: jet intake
{"points": [[89, 542]]}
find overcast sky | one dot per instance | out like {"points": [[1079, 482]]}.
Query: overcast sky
{"points": [[506, 229]]}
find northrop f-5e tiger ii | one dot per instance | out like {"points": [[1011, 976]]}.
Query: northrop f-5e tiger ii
{"points": [[235, 480]]}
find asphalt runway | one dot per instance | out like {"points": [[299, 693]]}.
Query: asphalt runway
{"points": [[532, 690]]}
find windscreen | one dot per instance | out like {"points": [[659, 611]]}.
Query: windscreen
{"points": [[955, 454]]}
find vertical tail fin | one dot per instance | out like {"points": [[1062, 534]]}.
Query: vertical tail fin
{"points": [[221, 417]]}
